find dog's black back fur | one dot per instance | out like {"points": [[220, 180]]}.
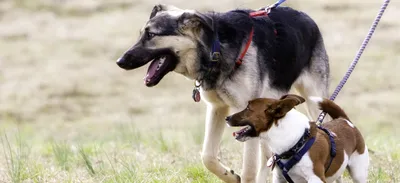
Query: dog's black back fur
{"points": [[282, 56]]}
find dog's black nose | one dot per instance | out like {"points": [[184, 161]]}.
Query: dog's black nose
{"points": [[121, 62], [228, 118]]}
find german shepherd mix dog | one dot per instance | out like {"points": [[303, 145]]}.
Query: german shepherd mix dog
{"points": [[278, 51]]}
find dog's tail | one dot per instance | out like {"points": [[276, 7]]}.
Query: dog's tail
{"points": [[329, 107]]}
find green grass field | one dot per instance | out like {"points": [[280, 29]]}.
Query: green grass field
{"points": [[69, 114]]}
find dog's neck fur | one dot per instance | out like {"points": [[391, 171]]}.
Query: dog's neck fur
{"points": [[235, 24], [289, 130]]}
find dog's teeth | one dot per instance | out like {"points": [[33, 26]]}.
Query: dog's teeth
{"points": [[247, 128], [161, 60]]}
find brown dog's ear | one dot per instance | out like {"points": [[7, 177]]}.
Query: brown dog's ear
{"points": [[285, 104], [293, 96], [192, 20]]}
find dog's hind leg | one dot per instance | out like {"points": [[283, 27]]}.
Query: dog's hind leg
{"points": [[358, 166], [314, 80], [215, 125]]}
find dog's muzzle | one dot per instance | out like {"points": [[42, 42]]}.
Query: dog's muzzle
{"points": [[134, 58], [162, 61]]}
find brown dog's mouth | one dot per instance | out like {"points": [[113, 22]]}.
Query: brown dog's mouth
{"points": [[158, 68], [244, 134]]}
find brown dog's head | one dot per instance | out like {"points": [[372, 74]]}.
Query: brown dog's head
{"points": [[260, 114]]}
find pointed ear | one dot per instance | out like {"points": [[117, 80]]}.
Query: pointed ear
{"points": [[161, 7], [193, 20], [286, 103]]}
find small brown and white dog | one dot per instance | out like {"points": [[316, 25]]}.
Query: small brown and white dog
{"points": [[282, 126]]}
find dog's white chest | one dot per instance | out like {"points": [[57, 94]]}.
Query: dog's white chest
{"points": [[302, 170]]}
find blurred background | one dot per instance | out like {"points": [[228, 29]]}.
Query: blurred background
{"points": [[69, 114]]}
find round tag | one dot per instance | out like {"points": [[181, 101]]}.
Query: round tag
{"points": [[270, 161]]}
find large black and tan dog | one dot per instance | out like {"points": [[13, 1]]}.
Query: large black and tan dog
{"points": [[285, 50]]}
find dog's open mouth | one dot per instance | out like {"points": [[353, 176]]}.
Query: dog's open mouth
{"points": [[158, 68], [244, 134]]}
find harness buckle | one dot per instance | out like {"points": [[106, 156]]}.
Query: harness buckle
{"points": [[215, 56]]}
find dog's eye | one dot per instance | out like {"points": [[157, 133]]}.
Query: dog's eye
{"points": [[150, 35]]}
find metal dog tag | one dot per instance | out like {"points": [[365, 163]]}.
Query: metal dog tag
{"points": [[196, 94], [271, 163]]}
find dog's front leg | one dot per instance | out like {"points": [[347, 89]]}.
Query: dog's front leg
{"points": [[263, 170], [250, 160], [215, 125], [277, 176]]}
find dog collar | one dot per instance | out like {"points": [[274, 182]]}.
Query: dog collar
{"points": [[216, 47]]}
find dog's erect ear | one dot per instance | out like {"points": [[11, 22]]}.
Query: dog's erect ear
{"points": [[285, 104], [157, 8], [161, 7], [192, 20]]}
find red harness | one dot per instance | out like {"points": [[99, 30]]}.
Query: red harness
{"points": [[216, 52], [241, 56], [240, 59]]}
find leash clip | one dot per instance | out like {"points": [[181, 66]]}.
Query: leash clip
{"points": [[268, 9], [215, 56]]}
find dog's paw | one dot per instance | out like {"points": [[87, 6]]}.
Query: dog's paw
{"points": [[238, 178]]}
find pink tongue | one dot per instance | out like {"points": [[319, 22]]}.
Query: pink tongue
{"points": [[152, 69], [239, 132]]}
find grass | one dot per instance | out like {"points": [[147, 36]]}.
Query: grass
{"points": [[15, 159], [62, 155], [69, 114], [86, 160]]}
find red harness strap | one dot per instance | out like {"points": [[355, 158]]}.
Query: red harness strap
{"points": [[252, 14], [240, 60], [258, 13]]}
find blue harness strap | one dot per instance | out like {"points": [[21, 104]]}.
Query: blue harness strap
{"points": [[285, 167], [295, 154], [216, 47], [333, 146]]}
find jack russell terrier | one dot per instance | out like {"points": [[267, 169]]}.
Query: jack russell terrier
{"points": [[303, 151]]}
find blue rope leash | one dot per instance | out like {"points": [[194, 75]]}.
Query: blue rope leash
{"points": [[270, 7], [355, 61], [278, 3]]}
